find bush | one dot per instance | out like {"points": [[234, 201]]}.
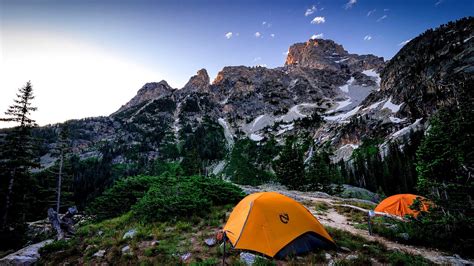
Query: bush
{"points": [[185, 197], [118, 199], [218, 191]]}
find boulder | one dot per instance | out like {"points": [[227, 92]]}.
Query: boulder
{"points": [[99, 254], [185, 256], [247, 258], [351, 257], [210, 241], [130, 233], [127, 250], [25, 256]]}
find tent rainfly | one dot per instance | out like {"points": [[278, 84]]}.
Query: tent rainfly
{"points": [[275, 225]]}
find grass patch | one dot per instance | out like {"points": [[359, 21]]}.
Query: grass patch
{"points": [[170, 241], [321, 206]]}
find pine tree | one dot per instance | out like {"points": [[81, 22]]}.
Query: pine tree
{"points": [[445, 166], [289, 167], [17, 152]]}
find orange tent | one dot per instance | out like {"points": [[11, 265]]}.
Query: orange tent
{"points": [[399, 205], [275, 225]]}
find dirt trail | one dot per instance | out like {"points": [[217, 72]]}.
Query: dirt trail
{"points": [[333, 219]]}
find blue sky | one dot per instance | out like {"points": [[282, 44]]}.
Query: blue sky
{"points": [[153, 40]]}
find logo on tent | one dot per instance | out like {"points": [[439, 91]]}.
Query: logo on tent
{"points": [[284, 218]]}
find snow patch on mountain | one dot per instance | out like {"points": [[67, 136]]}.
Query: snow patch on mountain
{"points": [[391, 106], [285, 128], [345, 87], [373, 106], [396, 120], [343, 116], [256, 137], [373, 74], [227, 132], [343, 104], [295, 113], [407, 129]]}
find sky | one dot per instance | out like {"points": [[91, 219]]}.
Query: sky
{"points": [[88, 57]]}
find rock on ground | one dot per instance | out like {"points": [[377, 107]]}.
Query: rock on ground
{"points": [[25, 256], [130, 233]]}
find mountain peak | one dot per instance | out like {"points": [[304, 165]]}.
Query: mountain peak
{"points": [[327, 54], [307, 54], [198, 82], [149, 91]]}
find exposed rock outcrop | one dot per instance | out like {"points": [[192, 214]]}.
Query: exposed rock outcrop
{"points": [[326, 54], [149, 91], [25, 256], [200, 82]]}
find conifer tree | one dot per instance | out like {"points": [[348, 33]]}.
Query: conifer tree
{"points": [[17, 152], [289, 168]]}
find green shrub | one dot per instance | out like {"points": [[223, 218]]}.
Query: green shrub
{"points": [[118, 199], [218, 191], [163, 203], [185, 197]]}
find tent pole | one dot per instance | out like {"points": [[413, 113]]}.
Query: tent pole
{"points": [[369, 223], [223, 253]]}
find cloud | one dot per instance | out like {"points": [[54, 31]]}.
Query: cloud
{"points": [[386, 10], [318, 20], [261, 65], [257, 59], [310, 11], [258, 34], [382, 18], [370, 12], [350, 4], [439, 2], [286, 53], [272, 35], [317, 36], [228, 35], [266, 24], [367, 38], [404, 42]]}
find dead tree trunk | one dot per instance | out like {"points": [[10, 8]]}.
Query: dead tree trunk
{"points": [[64, 226], [55, 223]]}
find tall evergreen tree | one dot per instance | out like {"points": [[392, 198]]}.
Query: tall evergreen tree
{"points": [[321, 174], [289, 167], [445, 168], [17, 152]]}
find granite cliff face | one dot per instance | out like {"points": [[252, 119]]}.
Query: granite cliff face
{"points": [[326, 54], [357, 97]]}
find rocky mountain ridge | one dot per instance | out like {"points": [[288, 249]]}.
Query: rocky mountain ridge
{"points": [[357, 97]]}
